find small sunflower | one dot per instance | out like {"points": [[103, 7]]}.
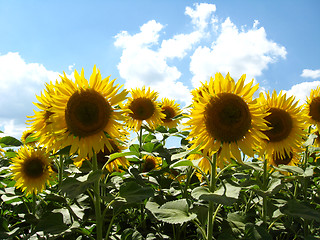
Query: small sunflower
{"points": [[142, 106], [31, 169], [40, 123], [225, 119], [150, 163], [103, 157], [171, 110], [312, 107], [85, 114], [291, 158], [26, 134], [286, 121]]}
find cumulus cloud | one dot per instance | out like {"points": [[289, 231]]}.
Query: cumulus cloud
{"points": [[237, 52], [302, 90], [308, 73], [144, 60], [19, 82]]}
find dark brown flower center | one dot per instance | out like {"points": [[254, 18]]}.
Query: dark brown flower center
{"points": [[227, 117], [314, 111], [279, 159], [87, 113], [142, 108], [169, 113], [149, 164], [34, 167], [281, 124], [102, 156]]}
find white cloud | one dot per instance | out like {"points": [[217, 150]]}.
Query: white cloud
{"points": [[202, 15], [144, 57], [20, 82], [236, 52], [302, 90], [308, 73]]}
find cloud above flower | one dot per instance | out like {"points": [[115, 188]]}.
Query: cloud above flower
{"points": [[308, 73]]}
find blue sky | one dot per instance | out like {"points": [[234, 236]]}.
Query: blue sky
{"points": [[168, 45]]}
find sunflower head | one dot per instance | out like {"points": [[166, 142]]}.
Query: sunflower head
{"points": [[225, 119], [171, 110], [290, 158], [286, 123], [26, 134], [84, 113], [143, 107], [150, 163], [312, 107], [31, 169]]}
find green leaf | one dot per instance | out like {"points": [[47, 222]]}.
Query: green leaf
{"points": [[52, 223], [293, 169], [133, 192], [254, 232], [10, 141], [121, 154], [149, 146], [274, 186], [174, 212], [31, 138], [182, 163], [226, 195], [63, 151], [184, 154], [297, 209]]}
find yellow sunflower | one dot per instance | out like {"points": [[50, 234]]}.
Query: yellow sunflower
{"points": [[150, 163], [103, 157], [197, 92], [291, 158], [225, 119], [171, 110], [312, 107], [26, 134], [40, 123], [203, 162], [85, 115], [286, 121], [31, 169], [142, 106]]}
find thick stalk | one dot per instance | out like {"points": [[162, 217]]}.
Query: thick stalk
{"points": [[97, 199], [212, 187]]}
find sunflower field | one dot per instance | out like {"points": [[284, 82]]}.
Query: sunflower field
{"points": [[94, 163]]}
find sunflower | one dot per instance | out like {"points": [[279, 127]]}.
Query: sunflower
{"points": [[25, 135], [150, 163], [171, 110], [103, 157], [203, 162], [312, 107], [31, 169], [85, 114], [142, 106], [286, 121], [291, 158], [225, 119], [40, 123]]}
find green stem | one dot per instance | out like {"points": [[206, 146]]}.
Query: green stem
{"points": [[265, 186], [60, 170], [34, 203], [203, 232], [212, 186], [97, 199], [110, 225]]}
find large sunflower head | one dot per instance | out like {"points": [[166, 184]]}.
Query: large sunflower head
{"points": [[150, 163], [31, 169], [171, 110], [225, 119], [85, 115], [286, 121], [142, 106], [312, 107]]}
